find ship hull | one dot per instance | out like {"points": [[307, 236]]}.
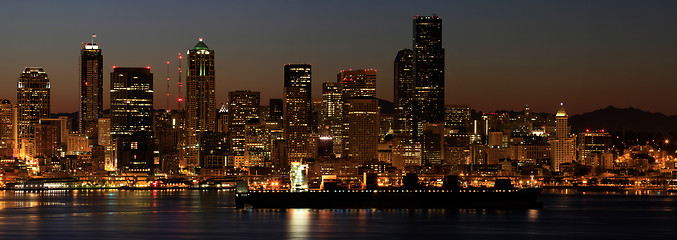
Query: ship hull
{"points": [[417, 199]]}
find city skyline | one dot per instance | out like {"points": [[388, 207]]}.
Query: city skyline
{"points": [[599, 47]]}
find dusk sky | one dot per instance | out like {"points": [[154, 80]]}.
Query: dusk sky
{"points": [[499, 54]]}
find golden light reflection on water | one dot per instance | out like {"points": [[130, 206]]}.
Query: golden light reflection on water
{"points": [[298, 225]]}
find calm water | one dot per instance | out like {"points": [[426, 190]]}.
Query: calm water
{"points": [[176, 214]]}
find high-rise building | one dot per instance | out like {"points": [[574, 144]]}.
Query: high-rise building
{"points": [[297, 113], [33, 99], [363, 129], [201, 100], [131, 100], [354, 84], [428, 71], [563, 146], [405, 90], [331, 121], [7, 129], [91, 89], [244, 105]]}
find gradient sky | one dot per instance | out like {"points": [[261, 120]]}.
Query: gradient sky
{"points": [[499, 54]]}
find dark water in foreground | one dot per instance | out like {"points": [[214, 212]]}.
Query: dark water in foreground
{"points": [[182, 214]]}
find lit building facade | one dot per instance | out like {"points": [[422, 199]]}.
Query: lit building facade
{"points": [[363, 129], [7, 128], [563, 146], [33, 99], [457, 117], [331, 124], [297, 116], [354, 84], [244, 105], [257, 144], [201, 100], [592, 144]]}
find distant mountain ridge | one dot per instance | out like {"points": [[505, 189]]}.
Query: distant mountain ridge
{"points": [[614, 119]]}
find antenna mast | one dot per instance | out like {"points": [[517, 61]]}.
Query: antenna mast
{"points": [[168, 110], [180, 99]]}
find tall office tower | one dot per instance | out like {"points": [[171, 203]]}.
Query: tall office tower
{"points": [[354, 83], [563, 149], [428, 71], [457, 117], [363, 129], [32, 104], [297, 113], [201, 100], [331, 124], [7, 130], [244, 105], [404, 93], [91, 89], [131, 101]]}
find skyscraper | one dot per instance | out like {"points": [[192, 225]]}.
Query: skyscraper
{"points": [[131, 101], [405, 90], [331, 124], [33, 95], [354, 83], [563, 148], [297, 113], [91, 89], [244, 105], [428, 71], [7, 130], [200, 96], [363, 129]]}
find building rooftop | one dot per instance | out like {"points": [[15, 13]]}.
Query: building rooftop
{"points": [[561, 112], [201, 45]]}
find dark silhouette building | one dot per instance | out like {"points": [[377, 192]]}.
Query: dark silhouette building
{"points": [[91, 89], [428, 71], [131, 100]]}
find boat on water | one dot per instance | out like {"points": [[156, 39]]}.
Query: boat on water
{"points": [[469, 198]]}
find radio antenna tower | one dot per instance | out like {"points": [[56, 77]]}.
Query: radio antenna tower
{"points": [[167, 109], [180, 99]]}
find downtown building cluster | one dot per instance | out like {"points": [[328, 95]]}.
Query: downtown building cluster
{"points": [[342, 132]]}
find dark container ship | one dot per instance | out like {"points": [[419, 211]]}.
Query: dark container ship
{"points": [[503, 196], [391, 198]]}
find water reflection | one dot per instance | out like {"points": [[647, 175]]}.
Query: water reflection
{"points": [[157, 214], [298, 224]]}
